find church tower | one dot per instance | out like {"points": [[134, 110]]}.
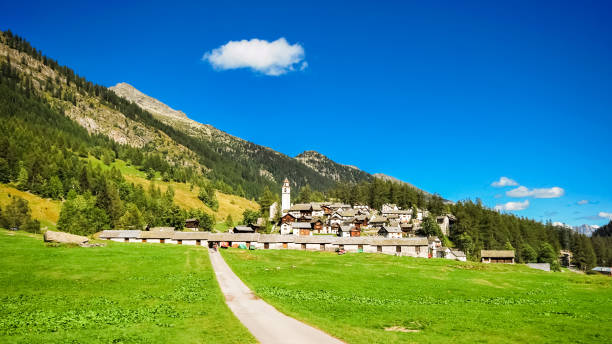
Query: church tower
{"points": [[286, 197]]}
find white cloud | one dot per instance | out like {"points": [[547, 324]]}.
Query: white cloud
{"points": [[270, 58], [521, 191], [605, 215], [504, 181], [583, 202], [513, 206]]}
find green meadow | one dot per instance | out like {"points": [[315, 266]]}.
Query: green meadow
{"points": [[121, 293], [374, 298]]}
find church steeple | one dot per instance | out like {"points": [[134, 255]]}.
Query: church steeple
{"points": [[286, 196]]}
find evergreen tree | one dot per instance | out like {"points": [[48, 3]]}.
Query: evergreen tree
{"points": [[229, 222], [132, 219], [528, 254], [22, 177]]}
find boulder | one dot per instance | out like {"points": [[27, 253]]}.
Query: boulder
{"points": [[65, 238]]}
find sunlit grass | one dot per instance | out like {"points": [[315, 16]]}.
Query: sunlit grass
{"points": [[128, 293], [372, 298]]}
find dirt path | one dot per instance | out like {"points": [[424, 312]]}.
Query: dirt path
{"points": [[267, 324]]}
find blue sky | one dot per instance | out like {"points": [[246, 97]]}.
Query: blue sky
{"points": [[449, 96]]}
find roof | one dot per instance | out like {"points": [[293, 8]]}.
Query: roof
{"points": [[243, 229], [276, 238], [120, 234], [348, 213], [301, 225], [497, 253], [398, 212], [191, 220], [315, 239], [157, 234], [378, 219], [273, 238], [316, 206], [161, 229], [233, 237], [191, 235], [458, 253], [348, 228], [300, 207], [391, 229]]}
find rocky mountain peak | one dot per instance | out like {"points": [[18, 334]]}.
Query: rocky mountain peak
{"points": [[147, 103]]}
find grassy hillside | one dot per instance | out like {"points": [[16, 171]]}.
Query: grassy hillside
{"points": [[43, 209], [370, 298], [122, 293], [185, 196]]}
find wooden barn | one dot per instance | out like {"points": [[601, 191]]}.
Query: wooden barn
{"points": [[497, 256], [193, 224]]}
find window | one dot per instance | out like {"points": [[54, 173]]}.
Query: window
{"points": [[322, 247], [378, 248], [266, 246], [360, 247], [418, 249], [162, 241], [180, 242], [198, 243], [398, 249], [126, 240], [303, 246]]}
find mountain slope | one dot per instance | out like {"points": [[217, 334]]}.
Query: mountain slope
{"points": [[395, 180], [307, 168], [331, 169]]}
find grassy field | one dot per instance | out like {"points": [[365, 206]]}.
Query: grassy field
{"points": [[122, 293], [373, 298], [185, 197], [43, 209]]}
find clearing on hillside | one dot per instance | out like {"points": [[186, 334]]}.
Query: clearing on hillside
{"points": [[44, 210], [375, 298]]}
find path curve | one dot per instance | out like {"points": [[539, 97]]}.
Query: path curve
{"points": [[266, 323]]}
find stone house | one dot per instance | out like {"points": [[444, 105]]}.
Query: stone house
{"points": [[390, 231]]}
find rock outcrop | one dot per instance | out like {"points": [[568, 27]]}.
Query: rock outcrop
{"points": [[65, 238]]}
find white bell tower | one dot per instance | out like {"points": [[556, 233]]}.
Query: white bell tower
{"points": [[286, 197]]}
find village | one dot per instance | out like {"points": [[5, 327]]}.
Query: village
{"points": [[323, 226]]}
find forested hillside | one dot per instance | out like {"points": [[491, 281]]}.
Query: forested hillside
{"points": [[481, 228], [45, 149]]}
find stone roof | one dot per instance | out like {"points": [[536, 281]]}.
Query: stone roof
{"points": [[274, 238], [191, 235], [348, 213], [161, 229], [301, 225], [120, 234], [233, 237], [314, 239], [497, 253], [458, 253], [300, 207], [243, 229], [378, 219], [348, 228], [391, 229], [157, 234]]}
